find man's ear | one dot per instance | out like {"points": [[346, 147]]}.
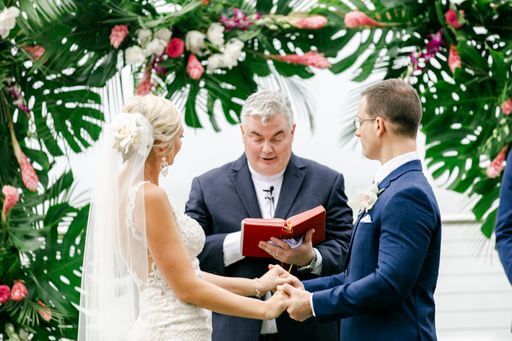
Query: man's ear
{"points": [[381, 125], [292, 131]]}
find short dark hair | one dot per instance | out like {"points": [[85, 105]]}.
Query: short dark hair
{"points": [[396, 101]]}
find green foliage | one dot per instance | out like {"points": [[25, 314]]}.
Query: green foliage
{"points": [[462, 119]]}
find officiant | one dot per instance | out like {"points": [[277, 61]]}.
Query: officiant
{"points": [[268, 181]]}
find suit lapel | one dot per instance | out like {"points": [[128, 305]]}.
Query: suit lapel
{"points": [[292, 182], [242, 181]]}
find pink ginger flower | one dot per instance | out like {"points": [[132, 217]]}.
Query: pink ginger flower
{"points": [[12, 196], [117, 35], [452, 19], [453, 59], [175, 48], [44, 311], [497, 165], [311, 58], [145, 84], [506, 106], [5, 293], [194, 68], [356, 19], [18, 291], [35, 51], [28, 174], [314, 22]]}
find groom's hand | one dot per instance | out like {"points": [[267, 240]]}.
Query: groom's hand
{"points": [[300, 255], [299, 307]]}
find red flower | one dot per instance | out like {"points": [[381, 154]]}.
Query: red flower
{"points": [[18, 291], [356, 19], [506, 106], [44, 311], [175, 48], [117, 35], [314, 22], [311, 58], [194, 68], [28, 174], [35, 51], [11, 198], [452, 19], [5, 293], [497, 165], [453, 58]]}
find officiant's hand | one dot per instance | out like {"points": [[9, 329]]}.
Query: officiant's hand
{"points": [[299, 307], [300, 255], [276, 305]]}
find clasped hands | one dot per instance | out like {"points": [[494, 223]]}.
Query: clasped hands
{"points": [[289, 294]]}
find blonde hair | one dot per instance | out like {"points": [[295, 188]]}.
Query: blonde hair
{"points": [[163, 116]]}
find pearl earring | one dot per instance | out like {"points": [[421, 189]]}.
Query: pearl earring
{"points": [[164, 167]]}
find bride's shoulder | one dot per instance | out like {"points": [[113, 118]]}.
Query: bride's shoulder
{"points": [[154, 194]]}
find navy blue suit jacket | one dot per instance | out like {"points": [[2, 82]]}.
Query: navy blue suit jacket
{"points": [[222, 197], [504, 221], [387, 291]]}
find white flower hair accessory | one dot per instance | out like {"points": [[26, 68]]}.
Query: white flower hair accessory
{"points": [[366, 199], [130, 132]]}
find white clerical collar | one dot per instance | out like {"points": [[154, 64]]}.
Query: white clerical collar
{"points": [[264, 178], [393, 164]]}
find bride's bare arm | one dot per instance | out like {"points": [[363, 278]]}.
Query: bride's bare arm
{"points": [[169, 254]]}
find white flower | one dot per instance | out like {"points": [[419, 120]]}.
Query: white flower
{"points": [[155, 46], [163, 34], [233, 51], [134, 55], [215, 34], [194, 41], [8, 20], [127, 137], [365, 199], [215, 61], [144, 36]]}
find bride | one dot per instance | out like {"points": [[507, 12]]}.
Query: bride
{"points": [[141, 278]]}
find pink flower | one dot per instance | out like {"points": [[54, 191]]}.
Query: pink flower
{"points": [[311, 58], [356, 19], [28, 174], [117, 35], [18, 291], [452, 18], [44, 311], [5, 293], [175, 47], [506, 106], [35, 51], [453, 58], [497, 165], [145, 84], [314, 22], [11, 198], [194, 68]]}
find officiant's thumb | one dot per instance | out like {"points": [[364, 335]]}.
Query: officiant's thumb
{"points": [[309, 236]]}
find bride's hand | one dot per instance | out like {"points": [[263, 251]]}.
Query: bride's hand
{"points": [[272, 278], [276, 305]]}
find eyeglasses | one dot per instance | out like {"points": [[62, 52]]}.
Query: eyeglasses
{"points": [[357, 122]]}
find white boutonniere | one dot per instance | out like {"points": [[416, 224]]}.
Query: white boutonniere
{"points": [[127, 136], [365, 199]]}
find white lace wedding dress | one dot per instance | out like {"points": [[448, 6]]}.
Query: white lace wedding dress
{"points": [[161, 315]]}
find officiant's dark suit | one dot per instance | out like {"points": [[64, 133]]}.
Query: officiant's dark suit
{"points": [[221, 198]]}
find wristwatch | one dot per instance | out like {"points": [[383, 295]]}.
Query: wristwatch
{"points": [[309, 267]]}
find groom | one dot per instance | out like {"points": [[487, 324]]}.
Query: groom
{"points": [[387, 289]]}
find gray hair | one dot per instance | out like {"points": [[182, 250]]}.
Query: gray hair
{"points": [[266, 104], [163, 115]]}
